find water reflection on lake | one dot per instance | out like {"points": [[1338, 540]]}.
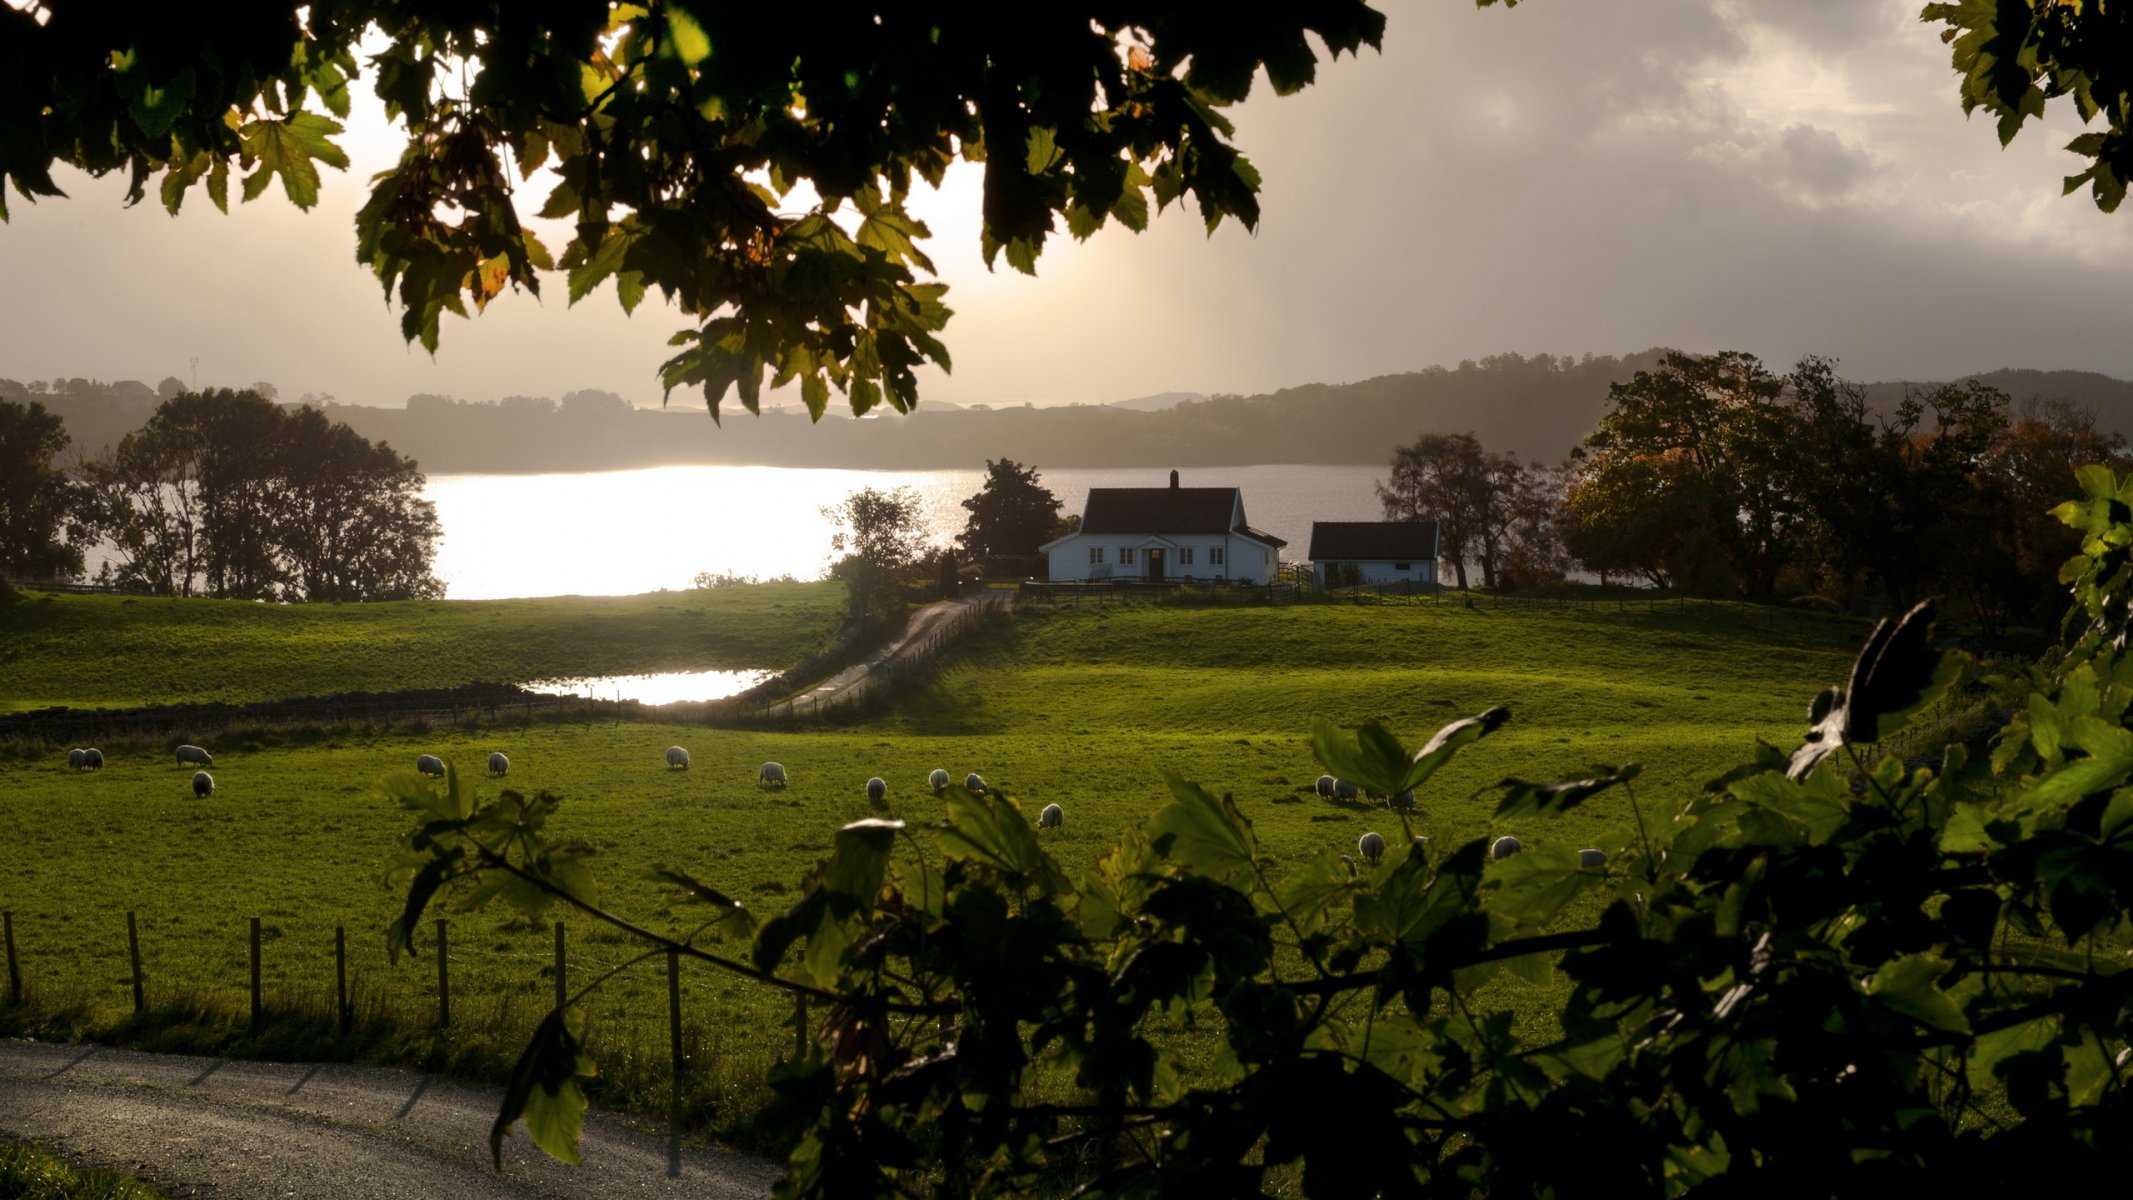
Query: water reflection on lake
{"points": [[617, 533], [664, 688]]}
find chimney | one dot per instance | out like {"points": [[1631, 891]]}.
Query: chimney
{"points": [[1173, 479]]}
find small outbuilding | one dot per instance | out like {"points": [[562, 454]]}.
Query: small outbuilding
{"points": [[1346, 553], [1174, 533]]}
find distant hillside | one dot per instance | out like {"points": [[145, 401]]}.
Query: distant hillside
{"points": [[1157, 402], [1537, 406]]}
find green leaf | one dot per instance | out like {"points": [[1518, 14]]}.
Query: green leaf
{"points": [[1522, 798], [686, 38], [1204, 832], [1532, 886], [1448, 742], [733, 919], [1371, 758], [1911, 986], [400, 935], [543, 1088], [290, 148], [860, 859], [988, 828], [1312, 889], [2110, 759]]}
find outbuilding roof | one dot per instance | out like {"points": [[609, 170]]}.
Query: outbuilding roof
{"points": [[1400, 541]]}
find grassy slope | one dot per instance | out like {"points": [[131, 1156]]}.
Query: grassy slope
{"points": [[28, 1173], [113, 651], [1082, 707]]}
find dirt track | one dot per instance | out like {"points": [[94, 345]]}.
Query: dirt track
{"points": [[224, 1128]]}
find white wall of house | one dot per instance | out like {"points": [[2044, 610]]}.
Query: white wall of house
{"points": [[1185, 556], [1386, 571]]}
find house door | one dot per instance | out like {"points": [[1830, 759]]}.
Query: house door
{"points": [[1155, 564]]}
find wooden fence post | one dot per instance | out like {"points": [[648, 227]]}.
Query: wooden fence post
{"points": [[256, 1006], [343, 1012], [562, 987], [14, 968], [133, 953], [444, 976], [674, 1011]]}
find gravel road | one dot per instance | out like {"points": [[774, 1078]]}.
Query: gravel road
{"points": [[224, 1128]]}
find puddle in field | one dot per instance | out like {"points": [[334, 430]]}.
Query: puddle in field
{"points": [[668, 687]]}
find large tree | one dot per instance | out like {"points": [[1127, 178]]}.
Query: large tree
{"points": [[880, 535], [1011, 514], [748, 162], [38, 503], [226, 494], [1450, 478]]}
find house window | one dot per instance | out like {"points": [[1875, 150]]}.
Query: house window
{"points": [[1096, 555], [1125, 556], [1184, 556], [1214, 556], [1401, 566]]}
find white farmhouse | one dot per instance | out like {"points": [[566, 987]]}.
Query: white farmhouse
{"points": [[1351, 552], [1165, 533]]}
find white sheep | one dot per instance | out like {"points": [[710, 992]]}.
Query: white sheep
{"points": [[1325, 785], [195, 755], [677, 758], [1053, 817], [203, 784], [76, 757], [877, 787], [973, 782], [1371, 846], [1405, 800], [1505, 846], [772, 774], [429, 764], [937, 780], [1592, 857], [499, 764], [1344, 790], [93, 759]]}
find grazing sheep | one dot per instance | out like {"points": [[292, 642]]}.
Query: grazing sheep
{"points": [[1591, 857], [771, 773], [1505, 847], [1325, 786], [1405, 800], [937, 780], [93, 759], [76, 757], [877, 787], [1371, 846], [203, 784], [973, 782], [677, 757], [1052, 817], [1344, 790], [499, 764], [195, 755], [429, 764]]}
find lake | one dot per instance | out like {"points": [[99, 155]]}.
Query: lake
{"points": [[615, 533]]}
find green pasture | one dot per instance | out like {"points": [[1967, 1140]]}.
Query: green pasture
{"points": [[112, 651], [1084, 707]]}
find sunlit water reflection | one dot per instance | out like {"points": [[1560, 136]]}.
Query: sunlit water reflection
{"points": [[665, 688], [625, 532]]}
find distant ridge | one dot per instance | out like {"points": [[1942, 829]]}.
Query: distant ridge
{"points": [[1158, 402], [1537, 406]]}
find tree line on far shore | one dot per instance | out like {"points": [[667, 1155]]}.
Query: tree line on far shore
{"points": [[1713, 475], [221, 493]]}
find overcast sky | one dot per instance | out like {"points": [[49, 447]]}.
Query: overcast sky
{"points": [[1778, 176]]}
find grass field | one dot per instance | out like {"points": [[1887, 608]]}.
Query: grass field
{"points": [[1084, 707], [28, 1173], [116, 651]]}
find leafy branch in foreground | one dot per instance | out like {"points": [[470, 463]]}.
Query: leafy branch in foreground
{"points": [[1823, 974], [750, 165]]}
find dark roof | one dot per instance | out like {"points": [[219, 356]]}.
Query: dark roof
{"points": [[1403, 541], [1259, 535], [1158, 510]]}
